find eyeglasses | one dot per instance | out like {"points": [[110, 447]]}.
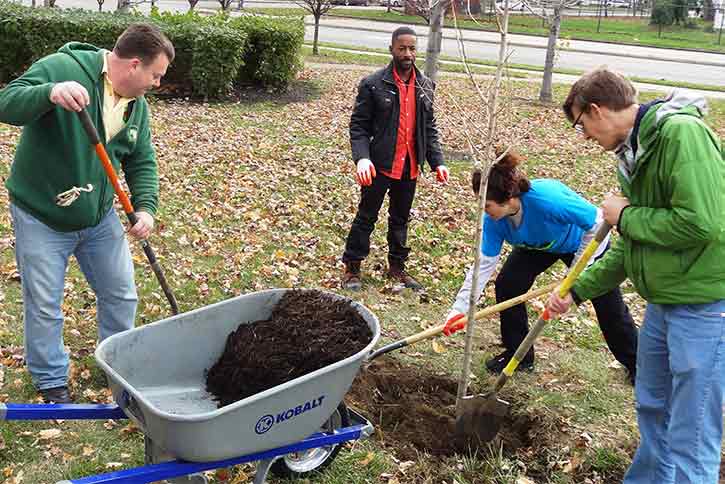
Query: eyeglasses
{"points": [[579, 127]]}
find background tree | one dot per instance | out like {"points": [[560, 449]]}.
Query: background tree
{"points": [[661, 16], [100, 5], [192, 4], [437, 11], [225, 4], [316, 8]]}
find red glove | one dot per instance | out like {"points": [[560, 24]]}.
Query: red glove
{"points": [[454, 324], [442, 174], [365, 172]]}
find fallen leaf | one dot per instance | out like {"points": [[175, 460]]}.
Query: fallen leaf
{"points": [[114, 465], [437, 347], [86, 374], [524, 480], [49, 434], [367, 459], [88, 451]]}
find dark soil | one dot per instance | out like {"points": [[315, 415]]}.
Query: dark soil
{"points": [[414, 411], [308, 330]]}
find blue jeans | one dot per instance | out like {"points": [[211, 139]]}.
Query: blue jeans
{"points": [[42, 256], [679, 392]]}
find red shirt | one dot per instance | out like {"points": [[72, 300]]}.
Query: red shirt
{"points": [[405, 144]]}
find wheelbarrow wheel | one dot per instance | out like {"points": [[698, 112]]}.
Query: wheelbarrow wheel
{"points": [[298, 464]]}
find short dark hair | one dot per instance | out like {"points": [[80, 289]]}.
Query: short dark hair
{"points": [[143, 41], [403, 31], [601, 87]]}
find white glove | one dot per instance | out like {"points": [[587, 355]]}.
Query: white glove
{"points": [[365, 172]]}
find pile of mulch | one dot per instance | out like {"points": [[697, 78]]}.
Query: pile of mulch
{"points": [[308, 330], [414, 411]]}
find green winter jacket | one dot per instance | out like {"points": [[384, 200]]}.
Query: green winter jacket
{"points": [[672, 244], [54, 153]]}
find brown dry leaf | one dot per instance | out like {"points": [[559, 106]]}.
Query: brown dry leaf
{"points": [[240, 478], [129, 429], [88, 451], [2, 443], [18, 478], [8, 471], [110, 424], [2, 374], [49, 434], [367, 459], [114, 465], [437, 347], [524, 480], [222, 474], [404, 466], [86, 374]]}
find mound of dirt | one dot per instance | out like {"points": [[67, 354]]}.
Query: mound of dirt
{"points": [[413, 410], [308, 330]]}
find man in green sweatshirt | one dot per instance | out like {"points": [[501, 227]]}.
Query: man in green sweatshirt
{"points": [[61, 201], [671, 222]]}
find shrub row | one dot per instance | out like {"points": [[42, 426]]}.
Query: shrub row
{"points": [[212, 53]]}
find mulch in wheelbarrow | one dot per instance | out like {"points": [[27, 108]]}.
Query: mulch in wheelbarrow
{"points": [[307, 330]]}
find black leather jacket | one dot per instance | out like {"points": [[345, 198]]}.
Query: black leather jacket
{"points": [[374, 121]]}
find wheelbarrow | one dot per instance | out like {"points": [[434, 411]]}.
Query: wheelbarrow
{"points": [[157, 376]]}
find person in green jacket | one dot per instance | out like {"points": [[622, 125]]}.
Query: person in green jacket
{"points": [[61, 201], [671, 222]]}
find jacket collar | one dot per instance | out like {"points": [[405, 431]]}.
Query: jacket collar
{"points": [[388, 75]]}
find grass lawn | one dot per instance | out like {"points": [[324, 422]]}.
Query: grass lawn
{"points": [[619, 29], [259, 193]]}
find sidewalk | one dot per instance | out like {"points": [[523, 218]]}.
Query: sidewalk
{"points": [[519, 40]]}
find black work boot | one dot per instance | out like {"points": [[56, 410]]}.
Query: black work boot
{"points": [[496, 364], [351, 278], [56, 395], [397, 273]]}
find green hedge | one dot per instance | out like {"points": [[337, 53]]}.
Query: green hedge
{"points": [[212, 53], [274, 49]]}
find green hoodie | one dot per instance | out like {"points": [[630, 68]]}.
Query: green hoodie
{"points": [[54, 153], [672, 244]]}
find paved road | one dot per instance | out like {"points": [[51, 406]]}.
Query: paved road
{"points": [[631, 60]]}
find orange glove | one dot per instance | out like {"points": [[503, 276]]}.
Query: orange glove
{"points": [[454, 324], [442, 174], [365, 172]]}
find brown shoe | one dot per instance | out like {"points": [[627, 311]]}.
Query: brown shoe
{"points": [[351, 279], [398, 274]]}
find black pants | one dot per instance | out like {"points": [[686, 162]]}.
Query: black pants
{"points": [[401, 193], [518, 275]]}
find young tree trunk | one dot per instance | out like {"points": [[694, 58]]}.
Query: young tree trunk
{"points": [[546, 94], [388, 9], [100, 5], [435, 38], [315, 49], [490, 138]]}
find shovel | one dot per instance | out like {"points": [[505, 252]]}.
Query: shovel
{"points": [[481, 416], [126, 203], [436, 330]]}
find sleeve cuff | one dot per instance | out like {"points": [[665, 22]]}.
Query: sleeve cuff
{"points": [[619, 221]]}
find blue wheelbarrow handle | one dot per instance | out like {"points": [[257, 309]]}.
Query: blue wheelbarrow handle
{"points": [[57, 411], [168, 470]]}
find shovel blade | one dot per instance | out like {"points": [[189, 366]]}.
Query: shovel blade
{"points": [[481, 416]]}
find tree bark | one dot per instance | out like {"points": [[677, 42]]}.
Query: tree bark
{"points": [[315, 48], [546, 94], [435, 37]]}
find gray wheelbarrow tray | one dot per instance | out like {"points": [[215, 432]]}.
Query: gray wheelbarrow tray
{"points": [[157, 374]]}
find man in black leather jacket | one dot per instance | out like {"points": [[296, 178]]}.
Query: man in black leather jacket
{"points": [[392, 131]]}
